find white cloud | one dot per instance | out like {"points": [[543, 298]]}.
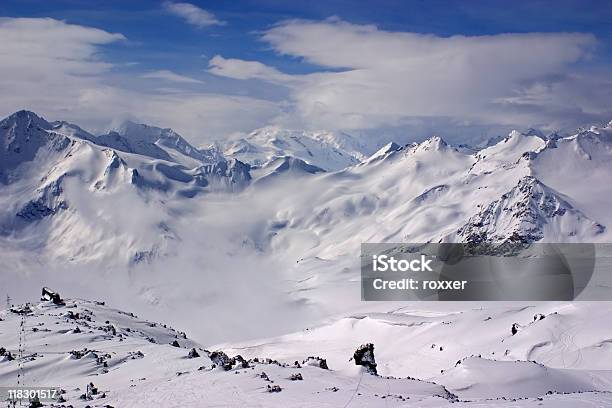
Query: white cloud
{"points": [[62, 49], [57, 69], [170, 76], [47, 63], [194, 15], [372, 78], [368, 79]]}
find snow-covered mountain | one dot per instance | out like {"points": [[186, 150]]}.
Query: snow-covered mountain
{"points": [[266, 239], [141, 202], [327, 150], [155, 142]]}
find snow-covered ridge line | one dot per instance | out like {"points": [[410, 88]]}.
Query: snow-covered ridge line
{"points": [[324, 149]]}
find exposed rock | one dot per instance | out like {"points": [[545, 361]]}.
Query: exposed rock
{"points": [[49, 295], [274, 388], [221, 359], [240, 360], [364, 356], [316, 361], [525, 210], [135, 355], [92, 389]]}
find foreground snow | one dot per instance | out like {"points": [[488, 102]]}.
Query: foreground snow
{"points": [[463, 358]]}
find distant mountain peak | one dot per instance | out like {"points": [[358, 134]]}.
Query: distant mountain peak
{"points": [[156, 142], [519, 141], [384, 151], [389, 147], [24, 113], [131, 128], [22, 135], [328, 150], [28, 118], [433, 143]]}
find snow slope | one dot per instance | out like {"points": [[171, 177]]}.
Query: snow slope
{"points": [[133, 363], [138, 363]]}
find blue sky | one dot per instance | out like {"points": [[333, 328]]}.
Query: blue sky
{"points": [[156, 35], [212, 69]]}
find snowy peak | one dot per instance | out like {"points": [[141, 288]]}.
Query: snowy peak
{"points": [[383, 152], [516, 144], [289, 166], [433, 143], [283, 164], [428, 148], [21, 128], [22, 135], [155, 142], [526, 214], [432, 149], [507, 153], [594, 135], [143, 147], [23, 120], [327, 150], [142, 132], [593, 145]]}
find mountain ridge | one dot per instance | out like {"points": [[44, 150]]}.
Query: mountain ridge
{"points": [[125, 219]]}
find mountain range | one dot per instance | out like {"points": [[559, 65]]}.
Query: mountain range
{"points": [[252, 247], [281, 212]]}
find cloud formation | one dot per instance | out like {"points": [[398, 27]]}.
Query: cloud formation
{"points": [[193, 14], [44, 49], [370, 78], [357, 78], [58, 70]]}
